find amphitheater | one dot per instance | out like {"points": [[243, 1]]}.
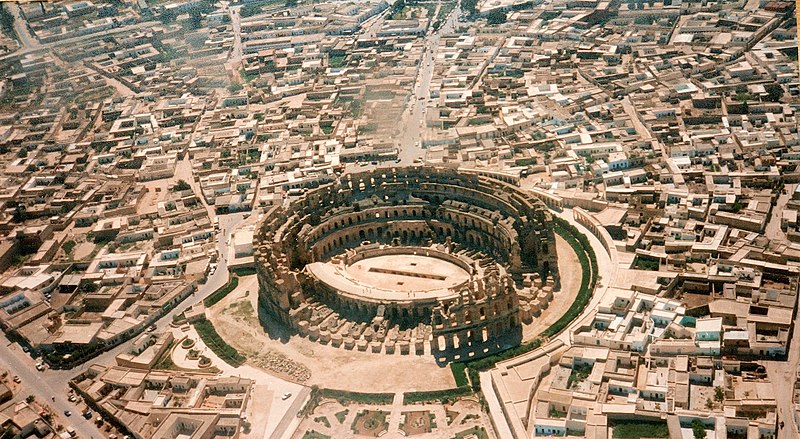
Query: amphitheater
{"points": [[416, 261]]}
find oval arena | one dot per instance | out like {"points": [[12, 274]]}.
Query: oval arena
{"points": [[408, 260]]}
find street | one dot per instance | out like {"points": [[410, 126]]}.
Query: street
{"points": [[414, 117]]}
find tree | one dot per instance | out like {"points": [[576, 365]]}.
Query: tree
{"points": [[181, 185], [719, 393], [469, 6], [774, 92], [7, 21], [249, 10], [167, 16], [195, 19], [709, 404], [698, 429], [497, 16], [30, 399]]}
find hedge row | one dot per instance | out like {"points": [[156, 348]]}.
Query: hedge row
{"points": [[344, 397], [459, 374], [583, 249], [588, 278], [436, 395], [212, 339], [223, 291]]}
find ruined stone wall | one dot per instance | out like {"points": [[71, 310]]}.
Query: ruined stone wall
{"points": [[405, 206]]}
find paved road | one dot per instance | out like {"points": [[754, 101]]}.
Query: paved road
{"points": [[414, 116], [43, 386], [26, 40], [773, 230], [235, 56]]}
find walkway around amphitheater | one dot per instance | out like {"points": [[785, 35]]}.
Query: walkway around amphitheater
{"points": [[607, 268]]}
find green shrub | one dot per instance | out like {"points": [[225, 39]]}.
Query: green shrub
{"points": [[436, 395], [217, 345], [223, 291], [459, 374], [345, 397]]}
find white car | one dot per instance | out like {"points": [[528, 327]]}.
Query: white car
{"points": [[212, 269], [286, 396]]}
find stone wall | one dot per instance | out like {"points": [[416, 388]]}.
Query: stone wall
{"points": [[509, 230]]}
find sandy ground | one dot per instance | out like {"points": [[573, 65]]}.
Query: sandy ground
{"points": [[338, 368], [329, 367]]}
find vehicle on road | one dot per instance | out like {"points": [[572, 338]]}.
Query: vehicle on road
{"points": [[17, 380], [286, 396], [67, 413]]}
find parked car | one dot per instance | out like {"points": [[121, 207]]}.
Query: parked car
{"points": [[67, 413]]}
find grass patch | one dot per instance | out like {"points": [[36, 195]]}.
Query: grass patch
{"points": [[165, 362], [374, 95], [578, 375], [223, 291], [311, 434], [242, 310], [342, 415], [323, 420], [459, 373], [222, 349], [478, 432], [639, 429], [68, 246], [336, 61]]}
